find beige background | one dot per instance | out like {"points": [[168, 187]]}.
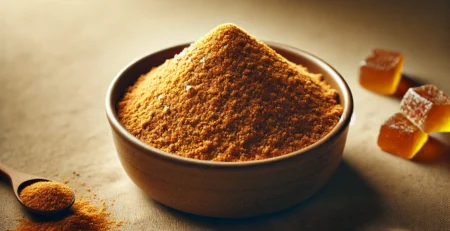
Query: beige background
{"points": [[58, 57]]}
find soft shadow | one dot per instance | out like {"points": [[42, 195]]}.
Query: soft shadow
{"points": [[407, 81], [4, 183], [435, 152], [346, 203]]}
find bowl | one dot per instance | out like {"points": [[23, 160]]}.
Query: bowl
{"points": [[229, 189]]}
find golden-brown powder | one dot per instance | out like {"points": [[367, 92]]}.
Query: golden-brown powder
{"points": [[47, 196], [229, 97], [87, 213], [82, 216]]}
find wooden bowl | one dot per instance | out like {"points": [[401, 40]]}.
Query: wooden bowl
{"points": [[229, 189]]}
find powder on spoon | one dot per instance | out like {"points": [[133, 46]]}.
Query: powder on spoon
{"points": [[83, 215], [47, 196]]}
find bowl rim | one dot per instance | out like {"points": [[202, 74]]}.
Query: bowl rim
{"points": [[340, 127]]}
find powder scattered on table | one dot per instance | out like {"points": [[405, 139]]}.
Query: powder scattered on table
{"points": [[87, 213], [229, 97], [82, 216]]}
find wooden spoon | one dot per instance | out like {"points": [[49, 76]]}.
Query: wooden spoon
{"points": [[20, 180]]}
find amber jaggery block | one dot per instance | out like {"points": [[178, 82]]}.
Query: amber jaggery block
{"points": [[428, 108], [401, 137], [381, 71]]}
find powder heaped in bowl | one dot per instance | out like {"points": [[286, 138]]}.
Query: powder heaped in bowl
{"points": [[229, 97]]}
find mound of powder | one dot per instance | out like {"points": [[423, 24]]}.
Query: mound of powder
{"points": [[229, 97], [47, 196], [82, 216]]}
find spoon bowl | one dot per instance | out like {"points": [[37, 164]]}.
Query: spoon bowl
{"points": [[20, 180]]}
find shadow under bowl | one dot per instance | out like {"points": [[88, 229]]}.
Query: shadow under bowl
{"points": [[229, 189]]}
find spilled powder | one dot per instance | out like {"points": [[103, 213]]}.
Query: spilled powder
{"points": [[229, 97], [83, 215]]}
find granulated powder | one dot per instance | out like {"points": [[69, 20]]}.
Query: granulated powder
{"points": [[82, 216], [229, 97], [47, 196]]}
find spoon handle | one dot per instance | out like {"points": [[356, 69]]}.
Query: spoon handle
{"points": [[5, 172], [15, 177]]}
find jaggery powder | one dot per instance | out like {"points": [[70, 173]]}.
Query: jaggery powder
{"points": [[82, 216], [229, 97], [47, 196]]}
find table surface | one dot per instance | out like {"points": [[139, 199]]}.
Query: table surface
{"points": [[58, 58]]}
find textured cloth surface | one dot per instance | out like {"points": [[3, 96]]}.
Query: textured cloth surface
{"points": [[57, 59]]}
